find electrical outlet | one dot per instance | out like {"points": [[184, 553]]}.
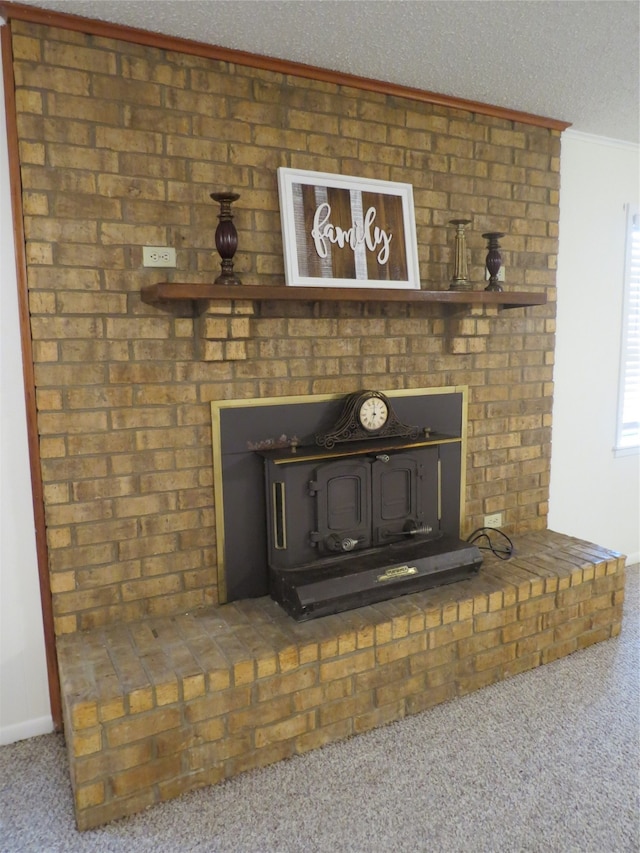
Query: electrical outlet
{"points": [[493, 520], [158, 256]]}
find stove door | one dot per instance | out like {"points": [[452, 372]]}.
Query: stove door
{"points": [[405, 500], [343, 506]]}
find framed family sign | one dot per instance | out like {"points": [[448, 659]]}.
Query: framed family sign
{"points": [[347, 232]]}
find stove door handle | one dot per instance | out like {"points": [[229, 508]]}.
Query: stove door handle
{"points": [[279, 516], [335, 542]]}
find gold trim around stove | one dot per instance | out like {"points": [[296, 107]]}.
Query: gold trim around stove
{"points": [[217, 406]]}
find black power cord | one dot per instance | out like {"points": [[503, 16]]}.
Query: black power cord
{"points": [[504, 549]]}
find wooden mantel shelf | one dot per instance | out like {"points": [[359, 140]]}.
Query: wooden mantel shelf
{"points": [[161, 292]]}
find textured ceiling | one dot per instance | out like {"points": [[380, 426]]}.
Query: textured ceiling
{"points": [[565, 59]]}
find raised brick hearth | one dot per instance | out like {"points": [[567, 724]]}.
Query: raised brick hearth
{"points": [[155, 708]]}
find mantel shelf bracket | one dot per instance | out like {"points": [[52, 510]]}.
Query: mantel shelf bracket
{"points": [[224, 312]]}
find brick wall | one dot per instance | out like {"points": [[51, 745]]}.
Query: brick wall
{"points": [[120, 147]]}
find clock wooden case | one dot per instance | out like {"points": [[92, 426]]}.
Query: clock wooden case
{"points": [[365, 415]]}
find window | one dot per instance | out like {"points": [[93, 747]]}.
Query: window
{"points": [[628, 427]]}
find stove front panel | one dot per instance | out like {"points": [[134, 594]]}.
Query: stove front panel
{"points": [[319, 511], [246, 434]]}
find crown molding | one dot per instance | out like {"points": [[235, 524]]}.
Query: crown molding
{"points": [[608, 141]]}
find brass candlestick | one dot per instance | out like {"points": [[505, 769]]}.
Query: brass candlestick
{"points": [[494, 259], [226, 237], [460, 280]]}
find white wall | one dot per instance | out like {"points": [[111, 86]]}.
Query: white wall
{"points": [[24, 691], [594, 495]]}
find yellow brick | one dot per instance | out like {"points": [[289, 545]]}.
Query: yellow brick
{"points": [[449, 613], [465, 609], [383, 633], [559, 650], [408, 687], [379, 717], [399, 627], [347, 643], [401, 648], [478, 642], [266, 666], [29, 102], [167, 694], [323, 736], [332, 712], [289, 659], [239, 327], [90, 795], [243, 672], [494, 657], [86, 743], [533, 644], [210, 730], [140, 700], [62, 581], [285, 730], [496, 619], [450, 633], [308, 653], [287, 683], [193, 686], [416, 623], [433, 618], [328, 648], [214, 328], [235, 351], [146, 776], [32, 153], [112, 709], [261, 714], [142, 726], [350, 665], [84, 715], [219, 680]]}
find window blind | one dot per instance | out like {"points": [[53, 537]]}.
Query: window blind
{"points": [[628, 426]]}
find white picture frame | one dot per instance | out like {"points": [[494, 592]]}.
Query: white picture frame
{"points": [[344, 231]]}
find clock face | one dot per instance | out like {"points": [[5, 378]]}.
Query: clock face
{"points": [[373, 414]]}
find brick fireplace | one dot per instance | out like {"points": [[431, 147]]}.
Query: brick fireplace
{"points": [[120, 143]]}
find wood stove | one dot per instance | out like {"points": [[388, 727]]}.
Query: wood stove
{"points": [[352, 505]]}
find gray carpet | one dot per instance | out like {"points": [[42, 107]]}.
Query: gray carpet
{"points": [[547, 762]]}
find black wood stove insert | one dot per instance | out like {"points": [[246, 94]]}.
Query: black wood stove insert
{"points": [[363, 508]]}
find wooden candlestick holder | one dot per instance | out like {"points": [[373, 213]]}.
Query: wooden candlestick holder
{"points": [[494, 260], [226, 237]]}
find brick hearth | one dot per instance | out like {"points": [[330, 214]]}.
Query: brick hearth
{"points": [[158, 707]]}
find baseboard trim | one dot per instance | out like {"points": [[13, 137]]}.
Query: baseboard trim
{"points": [[633, 559], [26, 729]]}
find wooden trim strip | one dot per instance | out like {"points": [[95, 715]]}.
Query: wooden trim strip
{"points": [[29, 379], [159, 292], [104, 29]]}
